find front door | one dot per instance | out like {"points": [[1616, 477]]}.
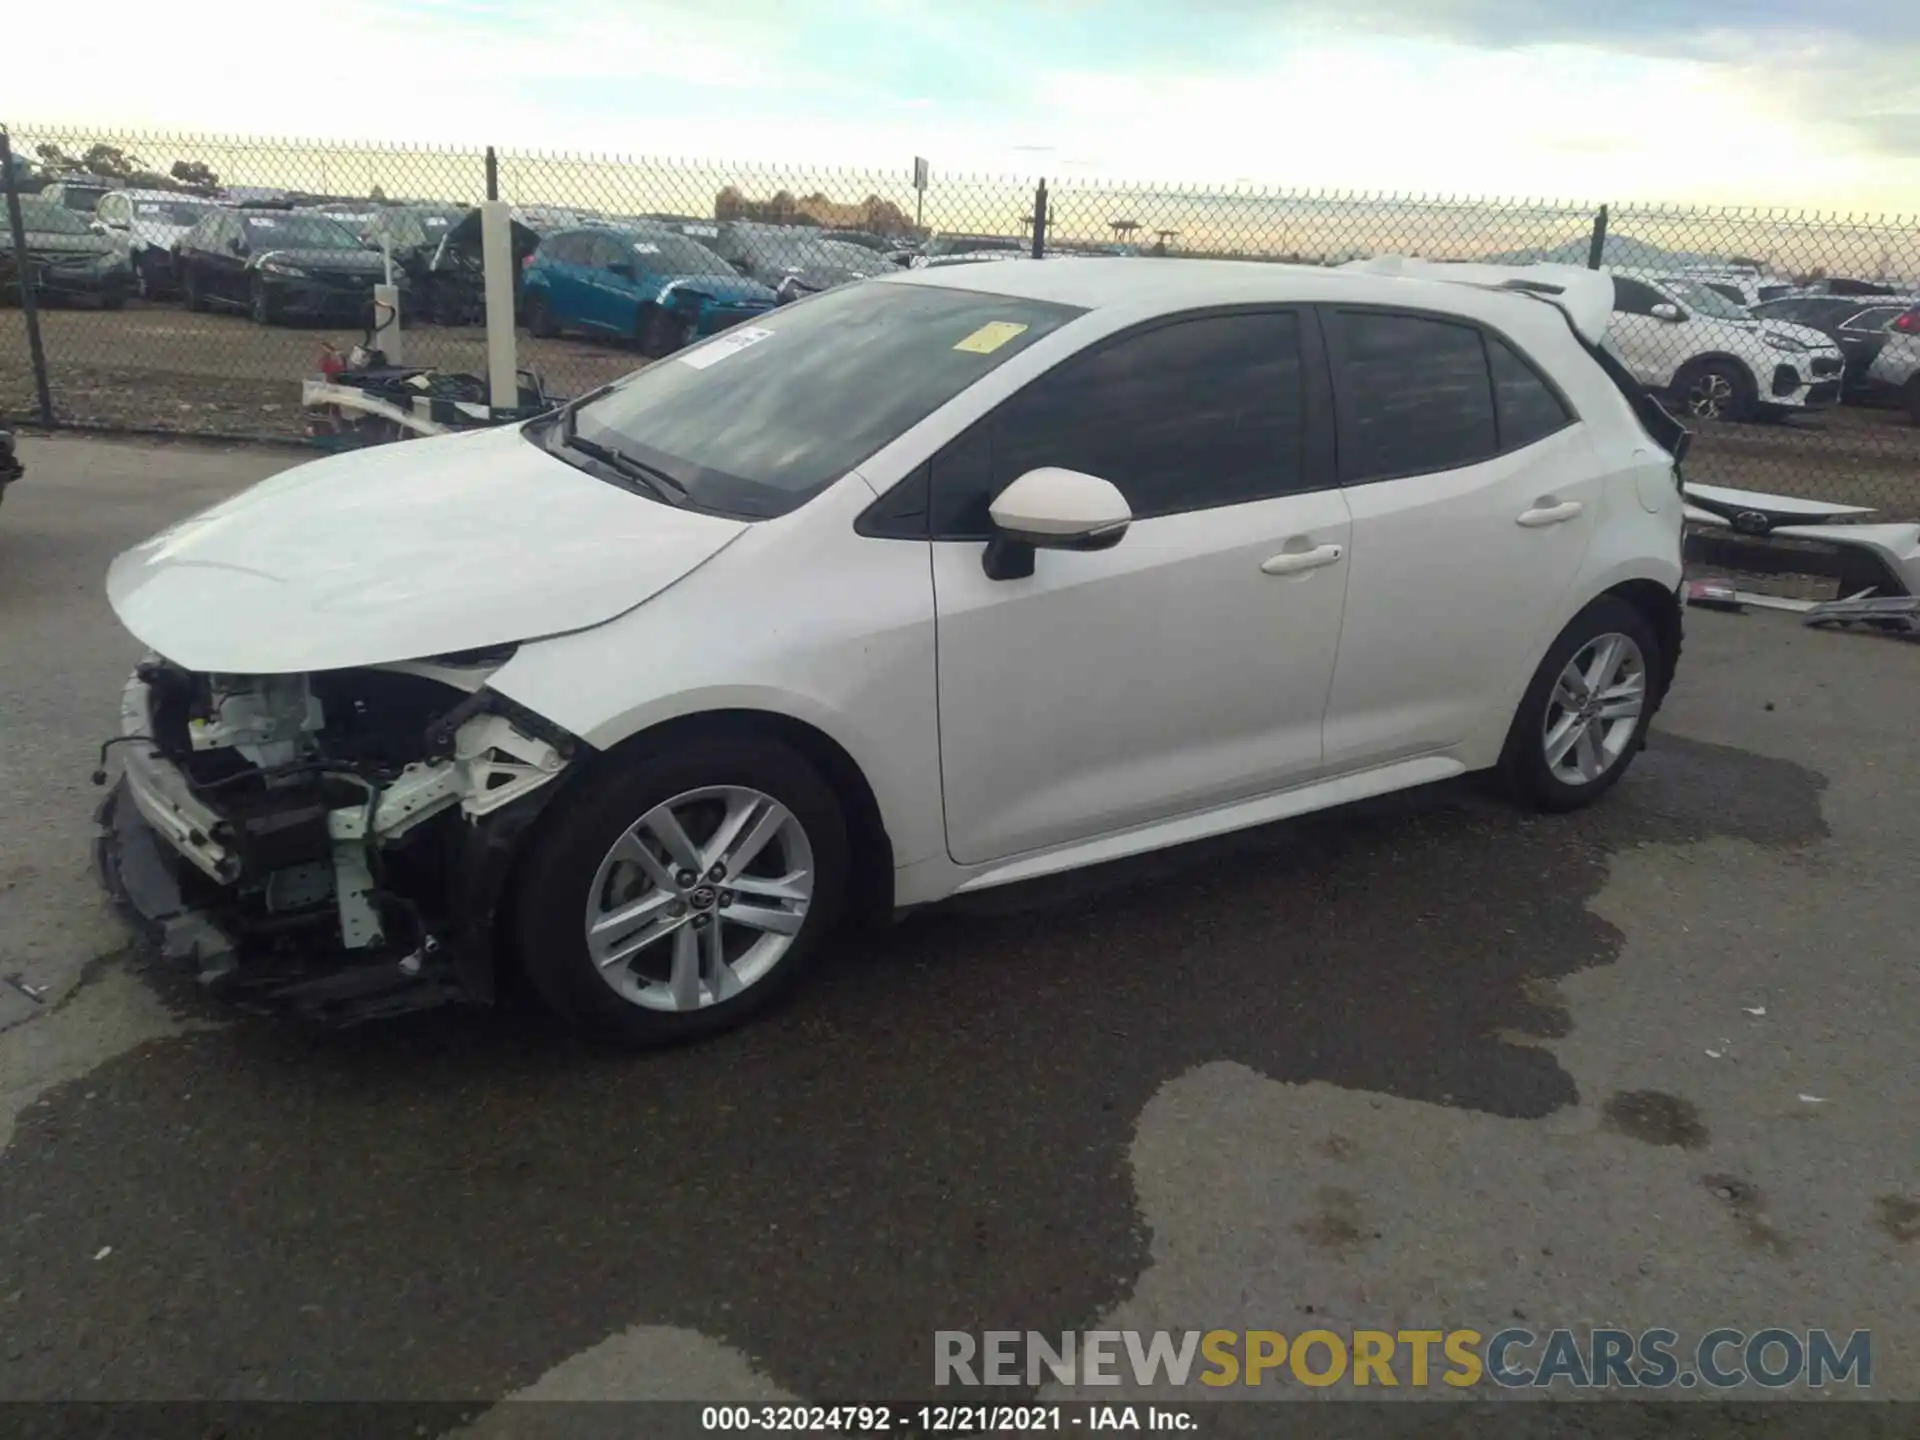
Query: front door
{"points": [[1188, 666]]}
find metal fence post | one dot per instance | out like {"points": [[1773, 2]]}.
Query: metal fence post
{"points": [[29, 307], [493, 174], [1597, 248], [1040, 221]]}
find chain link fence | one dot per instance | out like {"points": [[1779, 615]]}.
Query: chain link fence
{"points": [[187, 283]]}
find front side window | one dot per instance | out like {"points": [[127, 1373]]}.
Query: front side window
{"points": [[759, 419], [1185, 416], [1706, 300], [1634, 297], [1414, 395]]}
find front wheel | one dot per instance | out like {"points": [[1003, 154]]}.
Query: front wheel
{"points": [[661, 333], [686, 890], [1717, 390], [1586, 711], [261, 306]]}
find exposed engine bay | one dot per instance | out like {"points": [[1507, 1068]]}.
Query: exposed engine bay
{"points": [[334, 842]]}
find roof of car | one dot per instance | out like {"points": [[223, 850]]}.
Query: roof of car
{"points": [[185, 195]]}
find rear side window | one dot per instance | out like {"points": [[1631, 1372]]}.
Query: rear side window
{"points": [[1525, 406], [1414, 395], [1199, 413], [1632, 297], [1876, 319]]}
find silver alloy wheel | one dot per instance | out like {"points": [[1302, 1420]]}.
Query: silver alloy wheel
{"points": [[700, 898], [1595, 709], [1710, 395]]}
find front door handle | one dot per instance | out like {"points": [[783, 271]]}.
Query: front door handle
{"points": [[1549, 514], [1292, 562]]}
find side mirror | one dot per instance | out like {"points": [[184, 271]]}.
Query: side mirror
{"points": [[1052, 509], [238, 247], [1669, 313]]}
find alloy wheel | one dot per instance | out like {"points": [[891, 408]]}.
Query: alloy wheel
{"points": [[1710, 395], [1595, 708], [699, 899]]}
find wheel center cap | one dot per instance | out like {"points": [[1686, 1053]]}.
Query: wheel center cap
{"points": [[702, 897]]}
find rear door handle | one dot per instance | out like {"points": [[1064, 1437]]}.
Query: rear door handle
{"points": [[1549, 514], [1292, 562]]}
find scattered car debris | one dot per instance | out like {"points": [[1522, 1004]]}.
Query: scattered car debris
{"points": [[1890, 614], [103, 1252], [1814, 1099], [1714, 595], [1726, 1049], [1755, 1009]]}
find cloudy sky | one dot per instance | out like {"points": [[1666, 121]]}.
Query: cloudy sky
{"points": [[1787, 102]]}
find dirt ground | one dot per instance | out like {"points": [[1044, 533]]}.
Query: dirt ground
{"points": [[161, 367]]}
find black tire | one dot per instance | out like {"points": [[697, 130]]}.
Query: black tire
{"points": [[1524, 765], [1913, 401], [190, 288], [1716, 390], [540, 319], [551, 892], [148, 280], [114, 297], [260, 304], [661, 333]]}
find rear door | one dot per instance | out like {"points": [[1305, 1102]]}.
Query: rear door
{"points": [[1863, 334], [1474, 492]]}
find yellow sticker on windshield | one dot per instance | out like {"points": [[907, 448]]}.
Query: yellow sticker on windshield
{"points": [[990, 337]]}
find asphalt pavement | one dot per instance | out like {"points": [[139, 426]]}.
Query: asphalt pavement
{"points": [[1426, 1063]]}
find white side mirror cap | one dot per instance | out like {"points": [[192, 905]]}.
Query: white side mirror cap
{"points": [[1063, 509]]}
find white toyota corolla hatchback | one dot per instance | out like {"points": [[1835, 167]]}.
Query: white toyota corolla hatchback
{"points": [[933, 583]]}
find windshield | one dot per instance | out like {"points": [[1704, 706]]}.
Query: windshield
{"points": [[49, 218], [83, 198], [169, 212], [802, 250], [759, 419], [1707, 302], [665, 253], [299, 232]]}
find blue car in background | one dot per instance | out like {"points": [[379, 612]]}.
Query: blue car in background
{"points": [[635, 281]]}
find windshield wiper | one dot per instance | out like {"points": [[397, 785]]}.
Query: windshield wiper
{"points": [[657, 482]]}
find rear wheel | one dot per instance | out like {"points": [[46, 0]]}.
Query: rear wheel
{"points": [[1585, 714], [1717, 390], [687, 890], [540, 319]]}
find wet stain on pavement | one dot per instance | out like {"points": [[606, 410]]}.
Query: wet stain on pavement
{"points": [[1335, 1223], [1747, 1207], [935, 1135], [1654, 1117], [1899, 1216]]}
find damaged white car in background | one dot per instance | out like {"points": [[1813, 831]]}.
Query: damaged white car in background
{"points": [[925, 584]]}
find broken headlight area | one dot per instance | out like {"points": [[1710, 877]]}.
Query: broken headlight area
{"points": [[333, 843]]}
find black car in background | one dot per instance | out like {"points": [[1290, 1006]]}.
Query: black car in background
{"points": [[452, 288], [278, 264], [1860, 325], [66, 259]]}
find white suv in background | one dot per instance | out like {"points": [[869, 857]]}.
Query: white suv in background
{"points": [[1715, 359], [1741, 284], [149, 223], [1016, 569]]}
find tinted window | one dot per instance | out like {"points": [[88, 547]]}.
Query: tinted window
{"points": [[1414, 395], [1725, 291], [1527, 407], [298, 232], [757, 420], [1634, 298], [1185, 416], [1876, 319], [566, 250]]}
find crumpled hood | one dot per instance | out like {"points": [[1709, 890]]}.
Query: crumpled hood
{"points": [[1804, 334], [726, 289], [358, 262], [403, 551]]}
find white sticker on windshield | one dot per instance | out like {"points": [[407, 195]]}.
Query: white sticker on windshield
{"points": [[644, 247], [434, 222], [148, 209], [260, 222], [730, 343], [700, 229]]}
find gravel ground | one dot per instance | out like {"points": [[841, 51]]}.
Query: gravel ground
{"points": [[1425, 1063], [164, 368]]}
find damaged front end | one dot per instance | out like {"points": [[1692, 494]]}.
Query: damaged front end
{"points": [[336, 844]]}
